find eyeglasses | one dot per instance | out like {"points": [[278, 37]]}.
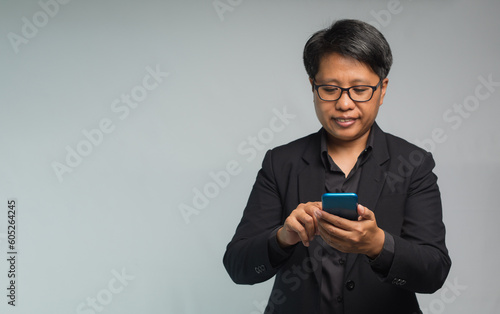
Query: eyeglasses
{"points": [[358, 93]]}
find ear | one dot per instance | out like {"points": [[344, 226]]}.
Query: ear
{"points": [[383, 89], [312, 83]]}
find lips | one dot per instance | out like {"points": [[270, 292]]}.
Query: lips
{"points": [[344, 122]]}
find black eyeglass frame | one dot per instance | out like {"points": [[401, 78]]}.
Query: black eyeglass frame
{"points": [[342, 90]]}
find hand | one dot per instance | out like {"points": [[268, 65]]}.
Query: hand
{"points": [[362, 236], [301, 225]]}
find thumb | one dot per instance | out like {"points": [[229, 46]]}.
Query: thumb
{"points": [[364, 213]]}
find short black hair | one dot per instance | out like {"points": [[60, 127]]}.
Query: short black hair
{"points": [[351, 38]]}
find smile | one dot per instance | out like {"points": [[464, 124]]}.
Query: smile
{"points": [[344, 122]]}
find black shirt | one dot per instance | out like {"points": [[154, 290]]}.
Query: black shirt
{"points": [[333, 261]]}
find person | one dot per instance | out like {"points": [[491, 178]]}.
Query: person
{"points": [[324, 263]]}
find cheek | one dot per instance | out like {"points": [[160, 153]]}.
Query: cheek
{"points": [[318, 109], [375, 111], [322, 113], [371, 113]]}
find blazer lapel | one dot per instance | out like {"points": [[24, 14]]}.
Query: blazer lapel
{"points": [[311, 178]]}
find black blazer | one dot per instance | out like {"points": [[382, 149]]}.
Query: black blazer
{"points": [[397, 183]]}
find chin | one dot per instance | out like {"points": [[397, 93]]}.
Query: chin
{"points": [[347, 136]]}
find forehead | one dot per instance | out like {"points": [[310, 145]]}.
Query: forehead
{"points": [[334, 67]]}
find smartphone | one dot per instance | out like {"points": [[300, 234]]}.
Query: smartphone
{"points": [[344, 205]]}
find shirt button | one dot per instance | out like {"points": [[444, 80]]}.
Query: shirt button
{"points": [[342, 262], [340, 299], [350, 285]]}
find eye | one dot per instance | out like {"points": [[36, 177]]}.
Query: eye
{"points": [[330, 89], [360, 90]]}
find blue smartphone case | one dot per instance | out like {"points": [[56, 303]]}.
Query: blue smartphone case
{"points": [[341, 204]]}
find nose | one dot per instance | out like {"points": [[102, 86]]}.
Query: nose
{"points": [[345, 103]]}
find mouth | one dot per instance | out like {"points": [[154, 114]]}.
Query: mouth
{"points": [[344, 122]]}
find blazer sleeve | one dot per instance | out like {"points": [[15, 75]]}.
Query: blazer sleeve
{"points": [[421, 262], [248, 257]]}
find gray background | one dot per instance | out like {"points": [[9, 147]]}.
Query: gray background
{"points": [[229, 72]]}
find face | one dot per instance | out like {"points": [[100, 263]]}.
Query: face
{"points": [[346, 121]]}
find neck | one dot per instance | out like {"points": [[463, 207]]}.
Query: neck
{"points": [[340, 147]]}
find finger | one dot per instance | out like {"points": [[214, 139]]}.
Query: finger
{"points": [[295, 226], [309, 223], [304, 223], [331, 235], [328, 230], [307, 216], [337, 221], [317, 214], [364, 213], [313, 208]]}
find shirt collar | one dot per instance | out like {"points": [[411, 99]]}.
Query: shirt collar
{"points": [[363, 156]]}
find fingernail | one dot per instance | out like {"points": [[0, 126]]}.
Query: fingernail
{"points": [[317, 213]]}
